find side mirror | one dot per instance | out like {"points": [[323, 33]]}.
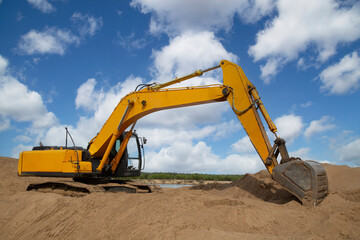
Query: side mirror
{"points": [[144, 140]]}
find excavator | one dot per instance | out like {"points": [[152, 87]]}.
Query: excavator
{"points": [[111, 154]]}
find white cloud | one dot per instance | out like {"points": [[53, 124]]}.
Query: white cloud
{"points": [[19, 148], [49, 41], [96, 100], [43, 5], [342, 77], [87, 24], [184, 156], [3, 65], [130, 42], [47, 119], [318, 126], [307, 104], [163, 135], [27, 108], [190, 117], [351, 152], [256, 9], [243, 145], [300, 25], [269, 69], [187, 53], [302, 153], [289, 127], [241, 164], [4, 123], [179, 16], [86, 97], [22, 138]]}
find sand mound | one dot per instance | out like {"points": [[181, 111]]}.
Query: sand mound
{"points": [[254, 207], [258, 186]]}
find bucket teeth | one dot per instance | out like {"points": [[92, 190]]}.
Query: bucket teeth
{"points": [[307, 180]]}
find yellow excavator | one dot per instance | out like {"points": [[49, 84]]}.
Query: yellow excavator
{"points": [[115, 149]]}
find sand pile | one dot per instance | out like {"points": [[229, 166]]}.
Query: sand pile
{"points": [[253, 207]]}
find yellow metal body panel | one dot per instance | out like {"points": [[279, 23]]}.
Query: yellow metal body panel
{"points": [[52, 161]]}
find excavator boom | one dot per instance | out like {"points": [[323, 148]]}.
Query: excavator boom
{"points": [[306, 180]]}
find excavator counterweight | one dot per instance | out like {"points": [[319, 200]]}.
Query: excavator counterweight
{"points": [[108, 155]]}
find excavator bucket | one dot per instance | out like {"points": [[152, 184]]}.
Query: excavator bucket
{"points": [[307, 180]]}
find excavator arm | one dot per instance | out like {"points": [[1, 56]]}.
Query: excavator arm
{"points": [[236, 89], [306, 180]]}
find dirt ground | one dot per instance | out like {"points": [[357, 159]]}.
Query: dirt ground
{"points": [[253, 207]]}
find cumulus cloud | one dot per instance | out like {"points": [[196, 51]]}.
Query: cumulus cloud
{"points": [[243, 145], [302, 153], [4, 123], [189, 52], [22, 138], [42, 5], [93, 99], [318, 126], [3, 65], [130, 41], [301, 25], [307, 104], [19, 148], [50, 41], [86, 97], [342, 77], [53, 40], [174, 17], [241, 164], [289, 127], [188, 157], [351, 152], [27, 108], [87, 25]]}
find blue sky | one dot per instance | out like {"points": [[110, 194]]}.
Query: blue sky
{"points": [[68, 63]]}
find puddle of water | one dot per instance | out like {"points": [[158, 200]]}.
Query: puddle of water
{"points": [[174, 185]]}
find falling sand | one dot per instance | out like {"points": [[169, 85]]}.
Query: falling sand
{"points": [[254, 207]]}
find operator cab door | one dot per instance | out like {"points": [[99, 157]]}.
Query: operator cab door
{"points": [[131, 161]]}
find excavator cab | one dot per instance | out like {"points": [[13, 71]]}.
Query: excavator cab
{"points": [[133, 158]]}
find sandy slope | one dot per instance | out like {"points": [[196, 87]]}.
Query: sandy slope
{"points": [[251, 208]]}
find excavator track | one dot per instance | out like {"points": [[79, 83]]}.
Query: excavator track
{"points": [[78, 189], [307, 180]]}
